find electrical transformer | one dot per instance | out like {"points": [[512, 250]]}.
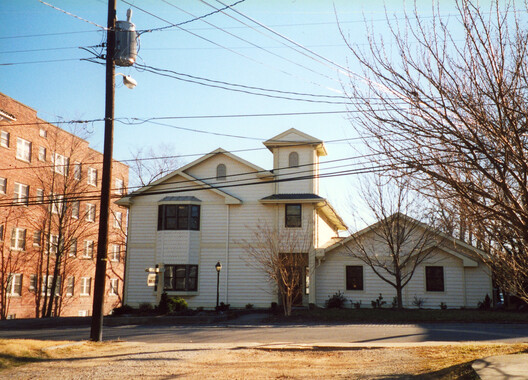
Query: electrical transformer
{"points": [[126, 42]]}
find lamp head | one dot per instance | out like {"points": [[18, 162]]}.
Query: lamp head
{"points": [[218, 266], [129, 81]]}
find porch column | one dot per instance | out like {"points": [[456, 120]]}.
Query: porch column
{"points": [[311, 266]]}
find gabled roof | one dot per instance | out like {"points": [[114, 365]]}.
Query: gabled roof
{"points": [[127, 201], [467, 261], [322, 205], [295, 137], [260, 172]]}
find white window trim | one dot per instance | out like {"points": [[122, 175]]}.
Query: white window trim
{"points": [[90, 212], [88, 247], [70, 290], [23, 150], [114, 287], [21, 197], [4, 136], [116, 252], [86, 286], [92, 177], [11, 285], [18, 231], [3, 188]]}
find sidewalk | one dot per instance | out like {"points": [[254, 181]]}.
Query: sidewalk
{"points": [[507, 367]]}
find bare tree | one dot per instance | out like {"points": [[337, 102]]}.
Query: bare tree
{"points": [[396, 244], [61, 218], [283, 256], [450, 113], [152, 164], [12, 259]]}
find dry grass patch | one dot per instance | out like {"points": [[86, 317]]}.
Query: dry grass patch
{"points": [[22, 351]]}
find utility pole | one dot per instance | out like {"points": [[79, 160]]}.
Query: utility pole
{"points": [[96, 333]]}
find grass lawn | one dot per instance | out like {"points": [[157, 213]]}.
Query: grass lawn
{"points": [[400, 316]]}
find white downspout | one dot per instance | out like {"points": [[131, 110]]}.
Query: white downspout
{"points": [[226, 292]]}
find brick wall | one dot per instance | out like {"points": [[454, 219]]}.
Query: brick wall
{"points": [[49, 174]]}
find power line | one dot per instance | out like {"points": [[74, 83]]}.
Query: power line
{"points": [[244, 86], [44, 61], [185, 22]]}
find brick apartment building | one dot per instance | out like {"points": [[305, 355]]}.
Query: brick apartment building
{"points": [[50, 183]]}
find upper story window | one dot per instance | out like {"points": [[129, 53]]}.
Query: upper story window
{"points": [[23, 151], [221, 172], [21, 194], [434, 279], [77, 171], [43, 133], [4, 139], [119, 186], [3, 185], [60, 164], [92, 176], [42, 153], [179, 217], [293, 215], [90, 212], [18, 239], [293, 160]]}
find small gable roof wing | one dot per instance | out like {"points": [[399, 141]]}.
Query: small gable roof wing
{"points": [[295, 137]]}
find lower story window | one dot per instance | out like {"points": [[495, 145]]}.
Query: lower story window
{"points": [[181, 277], [354, 277], [434, 279]]}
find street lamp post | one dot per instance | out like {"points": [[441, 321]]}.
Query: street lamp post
{"points": [[218, 268]]}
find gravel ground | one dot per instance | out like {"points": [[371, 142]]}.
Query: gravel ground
{"points": [[125, 360]]}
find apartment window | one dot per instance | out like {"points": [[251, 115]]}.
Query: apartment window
{"points": [[116, 252], [23, 151], [92, 176], [88, 249], [37, 235], [42, 153], [83, 313], [90, 212], [3, 185], [86, 286], [1, 232], [293, 160], [60, 164], [47, 283], [40, 195], [21, 194], [54, 244], [354, 277], [43, 133], [77, 171], [293, 215], [73, 248], [70, 286], [119, 186], [179, 217], [57, 203], [114, 286], [18, 239], [4, 139], [434, 279], [32, 282], [75, 209], [14, 284], [181, 277], [221, 172], [117, 219]]}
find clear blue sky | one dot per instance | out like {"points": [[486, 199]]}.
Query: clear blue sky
{"points": [[72, 89]]}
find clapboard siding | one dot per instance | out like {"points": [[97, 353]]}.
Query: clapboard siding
{"points": [[463, 287], [478, 285]]}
